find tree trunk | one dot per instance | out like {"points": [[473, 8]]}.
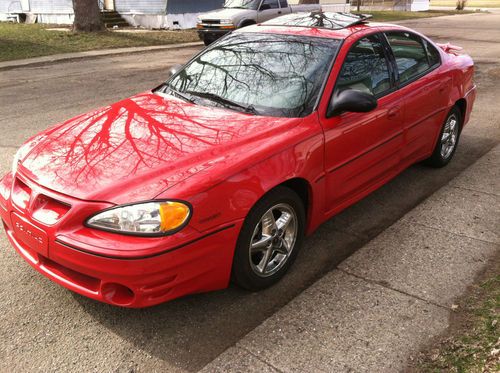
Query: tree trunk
{"points": [[87, 16]]}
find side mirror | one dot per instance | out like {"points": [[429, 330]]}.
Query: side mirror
{"points": [[351, 100], [265, 7], [174, 70]]}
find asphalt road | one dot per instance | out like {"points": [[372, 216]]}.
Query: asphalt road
{"points": [[45, 327]]}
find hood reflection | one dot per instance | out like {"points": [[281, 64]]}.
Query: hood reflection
{"points": [[159, 140]]}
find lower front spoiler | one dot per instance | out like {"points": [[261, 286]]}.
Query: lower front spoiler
{"points": [[201, 266]]}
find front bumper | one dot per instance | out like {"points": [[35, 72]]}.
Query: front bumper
{"points": [[70, 255], [212, 33]]}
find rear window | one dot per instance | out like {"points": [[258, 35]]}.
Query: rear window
{"points": [[410, 54], [283, 3], [432, 54]]}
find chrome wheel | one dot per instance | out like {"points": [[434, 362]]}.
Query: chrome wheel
{"points": [[449, 137], [273, 240]]}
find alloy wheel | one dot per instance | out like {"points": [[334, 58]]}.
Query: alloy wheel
{"points": [[273, 240], [449, 136]]}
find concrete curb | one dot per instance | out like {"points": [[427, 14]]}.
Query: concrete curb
{"points": [[67, 57], [390, 298]]}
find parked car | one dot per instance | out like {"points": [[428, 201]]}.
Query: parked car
{"points": [[242, 13], [219, 173]]}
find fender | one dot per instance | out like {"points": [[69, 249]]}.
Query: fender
{"points": [[238, 193]]}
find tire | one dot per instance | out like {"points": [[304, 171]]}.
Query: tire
{"points": [[448, 140], [208, 41], [248, 23], [265, 251]]}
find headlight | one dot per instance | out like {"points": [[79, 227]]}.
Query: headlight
{"points": [[17, 157], [143, 219]]}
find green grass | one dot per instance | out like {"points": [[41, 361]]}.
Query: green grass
{"points": [[390, 16], [24, 41], [470, 3], [471, 346]]}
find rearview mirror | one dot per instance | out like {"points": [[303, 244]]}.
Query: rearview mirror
{"points": [[174, 70], [265, 7], [351, 100]]}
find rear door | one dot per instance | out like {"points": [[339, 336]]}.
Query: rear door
{"points": [[362, 149], [268, 9], [425, 88]]}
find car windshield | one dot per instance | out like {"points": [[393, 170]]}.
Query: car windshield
{"points": [[242, 4], [263, 74]]}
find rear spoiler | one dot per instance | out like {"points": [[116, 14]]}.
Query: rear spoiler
{"points": [[449, 48]]}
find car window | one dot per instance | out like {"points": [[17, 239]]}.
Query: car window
{"points": [[272, 4], [432, 54], [365, 68], [284, 3], [410, 55]]}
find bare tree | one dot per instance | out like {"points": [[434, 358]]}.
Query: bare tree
{"points": [[461, 4], [87, 16]]}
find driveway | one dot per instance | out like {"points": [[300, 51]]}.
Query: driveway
{"points": [[45, 327]]}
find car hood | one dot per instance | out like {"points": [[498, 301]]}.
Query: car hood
{"points": [[139, 147], [224, 13]]}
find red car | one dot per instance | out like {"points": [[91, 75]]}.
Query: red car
{"points": [[219, 173]]}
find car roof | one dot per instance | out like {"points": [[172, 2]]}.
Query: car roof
{"points": [[318, 24]]}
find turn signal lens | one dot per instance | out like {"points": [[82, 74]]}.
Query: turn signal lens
{"points": [[173, 215]]}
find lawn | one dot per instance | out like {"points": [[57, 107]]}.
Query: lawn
{"points": [[390, 16], [470, 3], [24, 41]]}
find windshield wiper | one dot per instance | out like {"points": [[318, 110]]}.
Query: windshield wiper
{"points": [[224, 101], [181, 95]]}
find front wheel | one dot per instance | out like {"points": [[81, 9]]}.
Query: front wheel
{"points": [[207, 41], [269, 240], [448, 140]]}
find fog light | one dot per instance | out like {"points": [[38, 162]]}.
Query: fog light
{"points": [[117, 294]]}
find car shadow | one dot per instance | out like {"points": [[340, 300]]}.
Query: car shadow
{"points": [[191, 331]]}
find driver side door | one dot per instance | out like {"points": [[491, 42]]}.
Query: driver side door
{"points": [[362, 150], [268, 9]]}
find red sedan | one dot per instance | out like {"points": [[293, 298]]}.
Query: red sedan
{"points": [[220, 172]]}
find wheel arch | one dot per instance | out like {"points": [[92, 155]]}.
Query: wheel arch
{"points": [[303, 189], [246, 22]]}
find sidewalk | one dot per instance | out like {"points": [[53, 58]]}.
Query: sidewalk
{"points": [[385, 302], [64, 57]]}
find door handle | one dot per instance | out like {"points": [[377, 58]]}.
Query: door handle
{"points": [[279, 12], [394, 112]]}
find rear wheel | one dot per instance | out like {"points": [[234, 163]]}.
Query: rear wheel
{"points": [[269, 240], [448, 140]]}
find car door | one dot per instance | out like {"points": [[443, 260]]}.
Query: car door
{"points": [[285, 8], [268, 9], [426, 89], [362, 149]]}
